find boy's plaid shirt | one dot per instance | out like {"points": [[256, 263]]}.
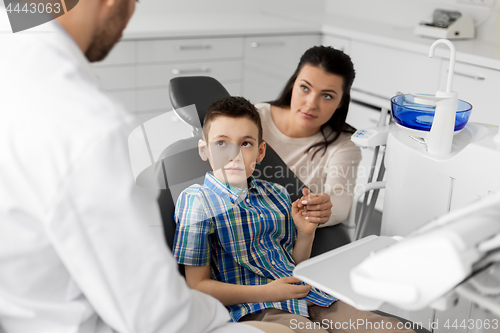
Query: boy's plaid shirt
{"points": [[245, 235]]}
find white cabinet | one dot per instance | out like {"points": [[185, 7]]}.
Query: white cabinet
{"points": [[479, 86], [153, 100], [116, 73], [270, 61], [137, 73], [117, 78], [153, 80], [160, 74], [161, 60], [183, 50], [123, 53], [481, 321], [337, 43], [383, 71], [127, 98]]}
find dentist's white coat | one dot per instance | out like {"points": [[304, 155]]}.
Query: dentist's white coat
{"points": [[76, 252]]}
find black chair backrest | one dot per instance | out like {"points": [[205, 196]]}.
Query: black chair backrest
{"points": [[180, 165], [200, 91]]}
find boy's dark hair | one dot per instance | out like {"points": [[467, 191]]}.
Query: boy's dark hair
{"points": [[233, 107]]}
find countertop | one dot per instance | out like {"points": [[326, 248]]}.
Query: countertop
{"points": [[216, 25], [474, 52]]}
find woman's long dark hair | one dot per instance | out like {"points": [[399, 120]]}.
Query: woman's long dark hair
{"points": [[332, 61]]}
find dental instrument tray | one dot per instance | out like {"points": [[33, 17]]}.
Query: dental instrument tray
{"points": [[447, 24], [330, 271]]}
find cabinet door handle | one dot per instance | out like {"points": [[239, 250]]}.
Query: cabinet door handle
{"points": [[176, 71], [471, 76], [192, 47], [263, 44]]}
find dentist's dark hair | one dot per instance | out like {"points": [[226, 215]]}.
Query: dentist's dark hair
{"points": [[331, 61]]}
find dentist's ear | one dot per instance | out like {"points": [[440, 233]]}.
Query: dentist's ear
{"points": [[262, 151], [203, 150]]}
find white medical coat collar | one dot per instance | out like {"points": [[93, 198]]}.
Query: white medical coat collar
{"points": [[75, 50]]}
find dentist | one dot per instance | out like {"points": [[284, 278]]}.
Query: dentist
{"points": [[76, 252]]}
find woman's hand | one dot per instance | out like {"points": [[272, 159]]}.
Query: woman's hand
{"points": [[318, 206], [285, 288]]}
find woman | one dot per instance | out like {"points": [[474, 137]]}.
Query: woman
{"points": [[306, 127]]}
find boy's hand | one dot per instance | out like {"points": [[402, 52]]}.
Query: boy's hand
{"points": [[301, 220], [285, 288], [317, 205]]}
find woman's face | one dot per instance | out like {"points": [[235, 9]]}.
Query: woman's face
{"points": [[316, 96]]}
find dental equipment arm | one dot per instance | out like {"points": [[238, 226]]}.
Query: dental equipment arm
{"points": [[435, 259]]}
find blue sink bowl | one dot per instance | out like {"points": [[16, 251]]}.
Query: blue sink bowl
{"points": [[419, 117]]}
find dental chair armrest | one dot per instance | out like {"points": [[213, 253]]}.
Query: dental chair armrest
{"points": [[351, 222]]}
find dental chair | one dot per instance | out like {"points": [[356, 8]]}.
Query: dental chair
{"points": [[180, 165]]}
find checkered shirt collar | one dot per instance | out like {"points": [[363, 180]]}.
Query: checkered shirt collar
{"points": [[225, 190]]}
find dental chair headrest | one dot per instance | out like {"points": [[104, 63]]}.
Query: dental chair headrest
{"points": [[201, 91]]}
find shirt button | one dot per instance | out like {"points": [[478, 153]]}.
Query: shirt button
{"points": [[247, 200], [261, 241], [262, 215]]}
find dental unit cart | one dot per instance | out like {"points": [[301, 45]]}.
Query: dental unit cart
{"points": [[443, 169]]}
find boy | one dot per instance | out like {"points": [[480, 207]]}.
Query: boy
{"points": [[240, 238]]}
